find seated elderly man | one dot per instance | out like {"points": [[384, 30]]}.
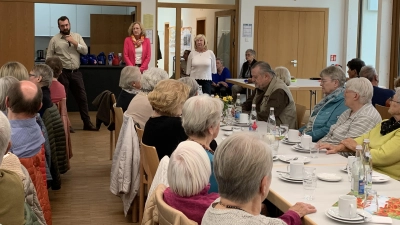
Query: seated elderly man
{"points": [[130, 84], [23, 101], [242, 167], [139, 108], [359, 118], [245, 72], [193, 85], [381, 95], [12, 196], [42, 75], [271, 92], [384, 142], [328, 110]]}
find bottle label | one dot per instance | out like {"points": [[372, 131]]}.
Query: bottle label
{"points": [[361, 187], [237, 115]]}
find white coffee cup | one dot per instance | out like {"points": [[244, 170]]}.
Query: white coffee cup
{"points": [[295, 169], [243, 118], [305, 141], [293, 135], [347, 206]]}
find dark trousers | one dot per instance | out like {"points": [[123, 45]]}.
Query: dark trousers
{"points": [[205, 85], [220, 90], [73, 80]]}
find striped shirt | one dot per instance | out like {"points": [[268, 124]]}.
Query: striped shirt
{"points": [[352, 126]]}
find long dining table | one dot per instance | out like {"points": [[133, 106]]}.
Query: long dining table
{"points": [[285, 194]]}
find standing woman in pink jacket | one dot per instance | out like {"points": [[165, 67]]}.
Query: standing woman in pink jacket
{"points": [[137, 49]]}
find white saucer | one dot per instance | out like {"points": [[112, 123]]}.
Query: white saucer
{"points": [[379, 178], [227, 128], [286, 141], [288, 177], [242, 124], [299, 149], [289, 180], [343, 221], [331, 177], [334, 212], [288, 158], [228, 133]]}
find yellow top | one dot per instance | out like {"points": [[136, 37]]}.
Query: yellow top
{"points": [[385, 150]]}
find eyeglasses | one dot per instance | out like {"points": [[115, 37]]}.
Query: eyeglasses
{"points": [[391, 99], [325, 81]]}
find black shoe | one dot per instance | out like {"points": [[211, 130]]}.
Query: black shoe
{"points": [[89, 126], [71, 130]]}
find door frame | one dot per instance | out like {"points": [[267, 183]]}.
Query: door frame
{"points": [[166, 46], [300, 9]]}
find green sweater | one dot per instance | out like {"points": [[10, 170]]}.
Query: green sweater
{"points": [[384, 150], [12, 198]]}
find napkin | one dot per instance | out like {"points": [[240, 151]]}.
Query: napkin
{"points": [[381, 220]]}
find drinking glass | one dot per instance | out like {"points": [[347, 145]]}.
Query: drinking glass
{"points": [[314, 150], [273, 141], [350, 161], [309, 182], [229, 117], [370, 203], [284, 129]]}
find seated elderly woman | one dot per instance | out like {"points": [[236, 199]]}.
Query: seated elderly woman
{"points": [[242, 167], [328, 110], [139, 108], [384, 142], [42, 75], [57, 89], [284, 74], [164, 128], [14, 69], [200, 119], [192, 83], [189, 171], [219, 85], [5, 84], [130, 84], [359, 118]]}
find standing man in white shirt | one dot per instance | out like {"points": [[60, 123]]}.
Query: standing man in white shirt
{"points": [[68, 46]]}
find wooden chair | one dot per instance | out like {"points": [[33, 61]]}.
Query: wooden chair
{"points": [[112, 121], [148, 167], [383, 111], [167, 214], [300, 110], [119, 119]]}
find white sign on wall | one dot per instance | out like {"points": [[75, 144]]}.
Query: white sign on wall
{"points": [[247, 30]]}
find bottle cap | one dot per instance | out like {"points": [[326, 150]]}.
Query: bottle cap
{"points": [[272, 108], [238, 94], [366, 140], [253, 105], [358, 147]]}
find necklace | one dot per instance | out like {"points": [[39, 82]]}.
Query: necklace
{"points": [[208, 149], [230, 206]]}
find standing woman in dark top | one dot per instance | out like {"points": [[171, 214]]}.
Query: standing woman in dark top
{"points": [[245, 71], [130, 84], [164, 128], [42, 75]]}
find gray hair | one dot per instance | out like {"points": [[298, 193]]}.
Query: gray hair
{"points": [[45, 72], [397, 90], [363, 87], [283, 74], [151, 77], [5, 84], [200, 113], [5, 135], [265, 68], [368, 72], [129, 74], [192, 83], [241, 161], [335, 73], [219, 59], [189, 169], [251, 51]]}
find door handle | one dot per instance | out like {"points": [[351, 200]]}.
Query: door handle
{"points": [[294, 62]]}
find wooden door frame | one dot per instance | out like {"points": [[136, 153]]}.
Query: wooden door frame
{"points": [[205, 24], [232, 14], [266, 8], [178, 7], [166, 47], [395, 44]]}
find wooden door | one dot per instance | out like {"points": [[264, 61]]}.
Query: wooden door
{"points": [[201, 26]]}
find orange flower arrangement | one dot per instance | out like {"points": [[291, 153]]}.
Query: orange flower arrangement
{"points": [[139, 42]]}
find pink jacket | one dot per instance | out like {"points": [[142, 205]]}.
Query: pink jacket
{"points": [[129, 53]]}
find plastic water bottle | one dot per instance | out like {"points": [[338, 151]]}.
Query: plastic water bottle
{"points": [[200, 91], [253, 114], [358, 175], [238, 108], [367, 162], [271, 123]]}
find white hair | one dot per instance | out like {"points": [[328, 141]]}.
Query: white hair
{"points": [[241, 161], [200, 113], [5, 135], [151, 77], [192, 83], [363, 87], [129, 74], [45, 72], [368, 72], [335, 73], [283, 74], [189, 169]]}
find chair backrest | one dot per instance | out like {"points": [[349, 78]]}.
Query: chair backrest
{"points": [[139, 132], [383, 111], [112, 112], [167, 214], [119, 119], [150, 161], [300, 110], [62, 108]]}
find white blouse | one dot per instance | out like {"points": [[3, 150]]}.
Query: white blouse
{"points": [[138, 55], [201, 65]]}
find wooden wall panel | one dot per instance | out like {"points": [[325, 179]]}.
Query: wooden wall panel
{"points": [[108, 32], [17, 32]]}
